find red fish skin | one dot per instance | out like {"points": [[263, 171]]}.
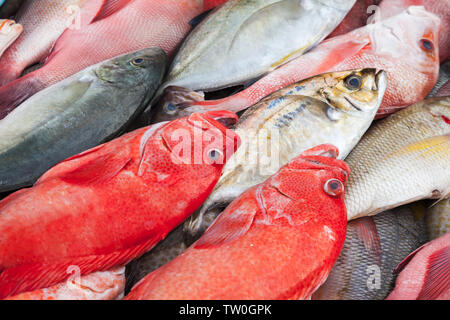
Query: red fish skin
{"points": [[163, 23], [211, 4], [410, 80], [107, 206], [278, 240], [415, 276]]}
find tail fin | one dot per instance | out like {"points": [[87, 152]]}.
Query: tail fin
{"points": [[16, 92]]}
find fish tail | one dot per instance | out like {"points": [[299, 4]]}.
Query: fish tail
{"points": [[16, 92]]}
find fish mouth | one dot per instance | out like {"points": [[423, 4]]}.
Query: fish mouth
{"points": [[352, 104]]}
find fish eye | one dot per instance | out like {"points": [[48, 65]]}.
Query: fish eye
{"points": [[214, 154], [137, 62], [426, 45], [170, 108], [334, 187], [353, 82]]}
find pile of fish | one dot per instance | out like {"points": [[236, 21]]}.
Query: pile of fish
{"points": [[264, 149]]}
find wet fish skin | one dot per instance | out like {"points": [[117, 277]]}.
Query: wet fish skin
{"points": [[43, 21], [278, 240], [162, 23], [425, 273], [443, 81], [76, 114], [438, 219], [44, 230], [312, 112], [373, 248], [402, 159], [393, 45], [9, 32], [216, 54]]}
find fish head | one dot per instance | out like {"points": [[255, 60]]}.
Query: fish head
{"points": [[356, 92], [144, 68], [314, 176], [9, 32], [201, 140]]}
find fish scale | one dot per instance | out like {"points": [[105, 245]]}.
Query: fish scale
{"points": [[401, 159]]}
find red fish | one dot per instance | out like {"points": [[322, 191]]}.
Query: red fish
{"points": [[425, 273], [405, 46], [440, 8], [278, 240], [162, 23], [110, 204], [210, 4]]}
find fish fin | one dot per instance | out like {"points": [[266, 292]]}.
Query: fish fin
{"points": [[408, 259], [198, 19], [110, 7], [90, 10], [228, 227], [33, 276], [367, 232], [437, 278], [16, 92]]}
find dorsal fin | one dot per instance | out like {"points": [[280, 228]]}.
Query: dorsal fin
{"points": [[437, 278], [110, 7]]}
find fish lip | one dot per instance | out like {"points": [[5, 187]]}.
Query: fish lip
{"points": [[352, 104]]}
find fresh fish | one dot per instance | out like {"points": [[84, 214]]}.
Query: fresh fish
{"points": [[217, 53], [403, 46], [9, 8], [74, 217], [162, 23], [373, 248], [438, 219], [440, 8], [43, 21], [443, 81], [278, 240], [76, 114], [210, 4], [323, 109], [101, 285], [362, 13], [401, 159], [9, 32], [425, 273]]}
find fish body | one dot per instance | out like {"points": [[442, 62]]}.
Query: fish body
{"points": [[438, 219], [319, 110], [217, 53], [9, 32], [401, 159], [278, 240], [75, 214], [373, 248], [395, 45], [440, 8], [76, 114], [100, 285], [425, 274], [43, 22], [155, 23]]}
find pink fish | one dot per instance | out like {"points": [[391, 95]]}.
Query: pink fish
{"points": [[162, 23], [105, 207], [405, 46], [278, 240], [425, 273]]}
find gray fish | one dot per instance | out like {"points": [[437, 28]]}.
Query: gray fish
{"points": [[322, 109], [245, 39], [76, 114], [444, 78], [373, 248]]}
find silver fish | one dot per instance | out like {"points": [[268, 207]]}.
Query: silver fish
{"points": [[444, 78], [401, 159], [245, 39], [373, 248], [322, 109], [76, 114]]}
